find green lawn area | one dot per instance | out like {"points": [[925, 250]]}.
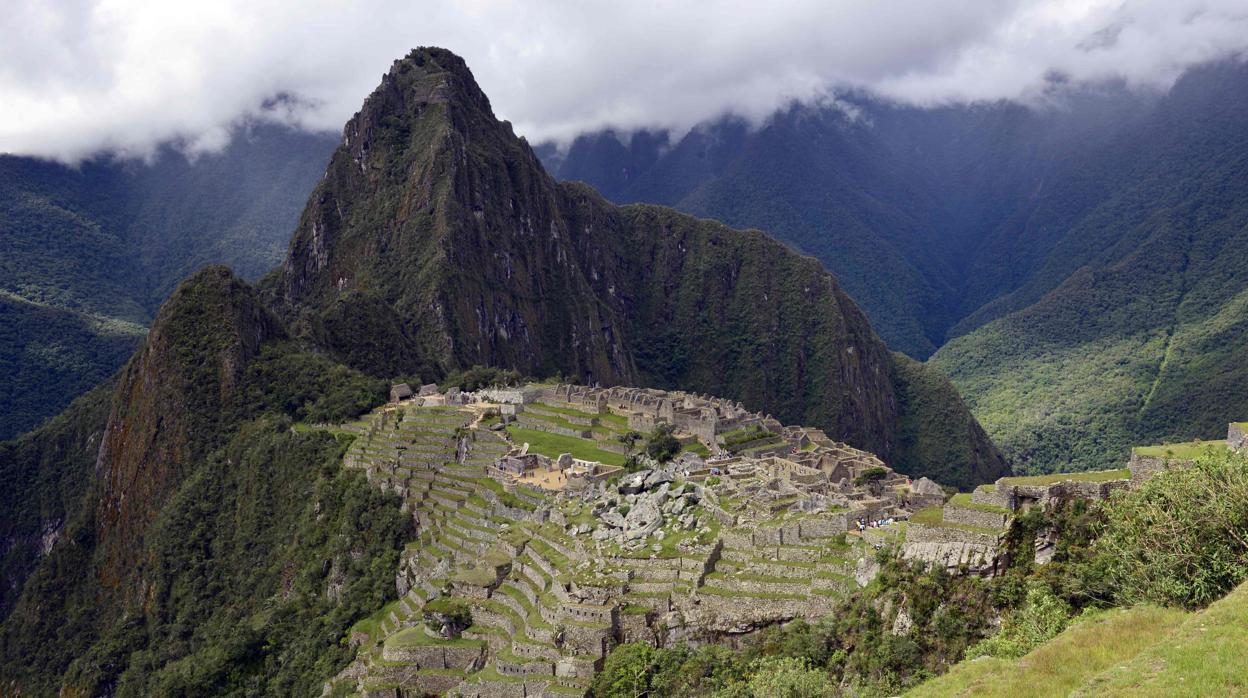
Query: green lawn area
{"points": [[1184, 451], [698, 448], [1089, 476], [1204, 657], [552, 445], [1062, 665], [414, 637], [963, 499], [935, 516], [1142, 651], [931, 516]]}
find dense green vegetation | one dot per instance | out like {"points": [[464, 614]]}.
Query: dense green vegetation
{"points": [[49, 355], [263, 559], [94, 250], [261, 551]]}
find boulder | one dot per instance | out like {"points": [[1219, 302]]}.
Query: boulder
{"points": [[634, 483], [658, 477]]}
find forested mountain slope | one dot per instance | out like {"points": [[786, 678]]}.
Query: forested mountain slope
{"points": [[1096, 230], [171, 532], [107, 241], [437, 241], [1139, 324]]}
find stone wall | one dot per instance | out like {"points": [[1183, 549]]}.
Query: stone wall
{"points": [[975, 517], [433, 656], [434, 684], [1144, 467], [952, 547], [1236, 437], [550, 427], [999, 496]]}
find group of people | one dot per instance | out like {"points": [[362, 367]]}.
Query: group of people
{"points": [[864, 524]]}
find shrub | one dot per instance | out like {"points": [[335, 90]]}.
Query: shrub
{"points": [[1041, 617], [781, 677], [1181, 538]]}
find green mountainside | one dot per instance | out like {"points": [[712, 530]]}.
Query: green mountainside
{"points": [[170, 532], [1104, 237], [437, 242], [107, 241], [174, 533], [1142, 334]]}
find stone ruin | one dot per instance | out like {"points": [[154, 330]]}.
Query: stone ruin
{"points": [[968, 532], [762, 532]]}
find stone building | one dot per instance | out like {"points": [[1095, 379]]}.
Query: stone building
{"points": [[400, 391]]}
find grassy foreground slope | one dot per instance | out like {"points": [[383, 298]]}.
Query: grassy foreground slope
{"points": [[1141, 651]]}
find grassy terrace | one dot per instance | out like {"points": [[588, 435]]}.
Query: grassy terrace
{"points": [[963, 500], [552, 445], [1090, 476], [417, 637], [1184, 451], [935, 516], [1142, 651], [614, 422]]}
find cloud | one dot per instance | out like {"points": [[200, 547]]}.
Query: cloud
{"points": [[78, 77]]}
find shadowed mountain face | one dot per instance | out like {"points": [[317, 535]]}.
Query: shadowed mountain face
{"points": [[437, 241], [1090, 232]]}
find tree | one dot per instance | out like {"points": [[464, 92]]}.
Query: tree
{"points": [[781, 677], [627, 672], [661, 445]]}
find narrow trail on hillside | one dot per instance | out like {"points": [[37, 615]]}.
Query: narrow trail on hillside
{"points": [[1167, 352]]}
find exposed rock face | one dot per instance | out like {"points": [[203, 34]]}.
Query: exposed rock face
{"points": [[437, 241], [171, 401]]}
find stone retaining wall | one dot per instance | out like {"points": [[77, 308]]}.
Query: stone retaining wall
{"points": [[550, 427], [433, 656], [975, 517], [434, 684], [591, 641], [1236, 437], [918, 533]]}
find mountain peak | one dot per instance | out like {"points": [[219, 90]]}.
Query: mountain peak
{"points": [[426, 76], [436, 241]]}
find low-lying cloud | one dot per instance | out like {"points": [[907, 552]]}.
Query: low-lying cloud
{"points": [[80, 77]]}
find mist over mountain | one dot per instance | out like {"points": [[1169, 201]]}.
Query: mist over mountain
{"points": [[940, 221], [99, 247]]}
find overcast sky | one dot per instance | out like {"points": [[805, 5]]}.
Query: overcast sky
{"points": [[79, 77]]}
